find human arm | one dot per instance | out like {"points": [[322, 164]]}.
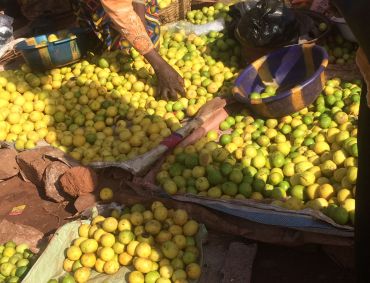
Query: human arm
{"points": [[131, 26], [139, 8]]}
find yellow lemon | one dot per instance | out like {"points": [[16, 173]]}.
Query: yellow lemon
{"points": [[78, 140], [106, 194], [13, 118], [28, 107], [33, 136]]}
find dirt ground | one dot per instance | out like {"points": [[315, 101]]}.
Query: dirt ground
{"points": [[272, 263]]}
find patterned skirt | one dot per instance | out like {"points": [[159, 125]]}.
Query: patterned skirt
{"points": [[91, 14]]}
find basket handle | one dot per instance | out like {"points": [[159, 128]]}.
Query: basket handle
{"points": [[183, 5]]}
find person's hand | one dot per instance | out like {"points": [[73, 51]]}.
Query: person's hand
{"points": [[170, 83]]}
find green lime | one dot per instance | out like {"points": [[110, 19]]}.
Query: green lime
{"points": [[180, 158], [225, 139], [330, 100], [286, 129], [176, 169], [258, 185], [68, 279], [284, 185], [250, 171], [307, 120], [248, 179], [270, 90], [230, 120], [325, 122], [297, 192], [191, 190], [245, 189], [340, 215], [229, 189], [21, 271], [275, 178], [278, 194], [226, 168], [255, 135], [308, 142], [190, 181], [191, 161], [277, 159]]}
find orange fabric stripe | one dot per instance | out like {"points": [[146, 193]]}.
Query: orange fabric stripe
{"points": [[129, 24]]}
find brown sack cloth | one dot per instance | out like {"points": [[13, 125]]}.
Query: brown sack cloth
{"points": [[33, 9], [363, 65]]}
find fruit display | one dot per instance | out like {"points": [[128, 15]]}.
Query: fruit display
{"points": [[158, 245], [208, 14], [340, 50], [105, 108], [269, 91], [15, 261], [307, 159]]}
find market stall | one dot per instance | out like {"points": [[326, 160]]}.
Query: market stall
{"points": [[262, 146]]}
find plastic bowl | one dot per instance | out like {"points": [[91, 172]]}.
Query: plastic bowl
{"points": [[297, 71], [344, 29], [41, 55]]}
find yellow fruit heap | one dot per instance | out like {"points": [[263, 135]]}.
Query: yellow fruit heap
{"points": [[106, 109], [208, 14], [304, 160], [157, 244]]}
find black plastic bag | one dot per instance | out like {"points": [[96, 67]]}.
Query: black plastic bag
{"points": [[6, 29], [265, 23]]}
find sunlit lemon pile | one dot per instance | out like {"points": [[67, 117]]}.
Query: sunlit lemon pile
{"points": [[105, 108], [158, 245]]}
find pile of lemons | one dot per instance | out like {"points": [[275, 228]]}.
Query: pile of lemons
{"points": [[304, 160], [158, 245], [106, 108]]}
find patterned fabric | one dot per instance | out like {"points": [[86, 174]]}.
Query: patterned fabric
{"points": [[91, 13]]}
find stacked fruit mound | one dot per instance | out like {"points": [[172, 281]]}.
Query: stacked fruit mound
{"points": [[106, 109], [14, 262], [158, 245], [208, 14], [341, 51], [308, 159]]}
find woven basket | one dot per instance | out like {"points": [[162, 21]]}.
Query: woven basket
{"points": [[198, 4], [8, 52], [175, 12]]}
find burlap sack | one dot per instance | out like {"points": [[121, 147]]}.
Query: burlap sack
{"points": [[33, 9]]}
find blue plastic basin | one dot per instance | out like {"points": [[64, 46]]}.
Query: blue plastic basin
{"points": [[41, 55], [297, 71]]}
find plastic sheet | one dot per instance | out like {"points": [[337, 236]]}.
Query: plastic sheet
{"points": [[6, 29], [188, 28]]}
